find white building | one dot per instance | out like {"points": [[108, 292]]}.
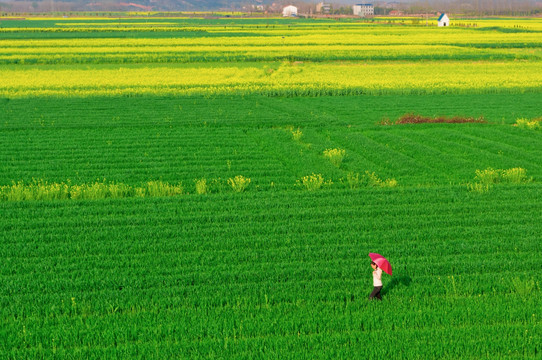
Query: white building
{"points": [[363, 10], [289, 10], [443, 20]]}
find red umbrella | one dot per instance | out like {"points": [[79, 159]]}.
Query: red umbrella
{"points": [[381, 262]]}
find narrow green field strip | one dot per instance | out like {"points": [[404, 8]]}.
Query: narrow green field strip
{"points": [[342, 307], [316, 277], [317, 53], [374, 201], [392, 204], [179, 255], [274, 308], [175, 251], [364, 206], [311, 330], [310, 263], [192, 301], [173, 155], [331, 34], [254, 112], [390, 223], [375, 36], [218, 258]]}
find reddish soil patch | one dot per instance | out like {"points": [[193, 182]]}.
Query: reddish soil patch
{"points": [[419, 119]]}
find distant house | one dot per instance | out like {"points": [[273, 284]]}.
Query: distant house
{"points": [[363, 10], [289, 10], [443, 20]]}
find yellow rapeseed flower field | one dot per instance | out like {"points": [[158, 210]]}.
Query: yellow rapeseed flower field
{"points": [[313, 58], [286, 78]]}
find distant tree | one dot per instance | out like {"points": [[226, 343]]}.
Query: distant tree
{"points": [[343, 10], [381, 10]]}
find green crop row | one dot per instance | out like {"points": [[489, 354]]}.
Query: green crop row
{"points": [[179, 140]]}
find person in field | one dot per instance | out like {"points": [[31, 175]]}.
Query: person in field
{"points": [[377, 282]]}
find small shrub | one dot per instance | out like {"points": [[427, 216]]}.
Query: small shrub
{"points": [[488, 176], [515, 175], [336, 156], [201, 186], [312, 182], [534, 124], [158, 188], [297, 134], [389, 183], [485, 179], [239, 183]]}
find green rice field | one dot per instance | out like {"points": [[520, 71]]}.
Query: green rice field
{"points": [[211, 188]]}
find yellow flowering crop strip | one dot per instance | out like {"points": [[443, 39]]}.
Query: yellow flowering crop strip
{"points": [[287, 79]]}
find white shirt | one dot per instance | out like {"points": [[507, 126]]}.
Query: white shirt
{"points": [[377, 277]]}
